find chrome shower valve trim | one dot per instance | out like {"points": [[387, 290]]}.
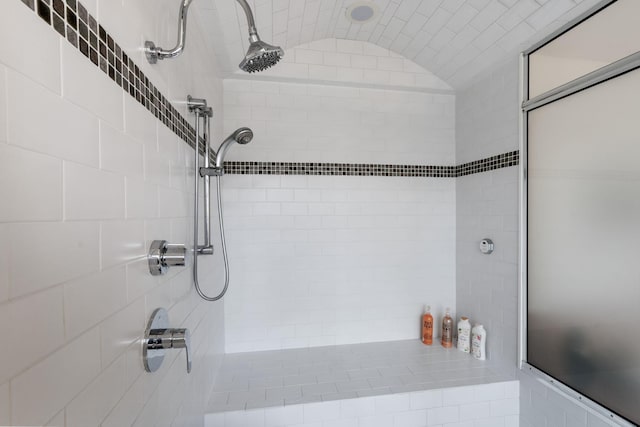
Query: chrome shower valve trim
{"points": [[163, 255], [159, 337]]}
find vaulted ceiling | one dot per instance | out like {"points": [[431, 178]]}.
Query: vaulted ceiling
{"points": [[454, 39]]}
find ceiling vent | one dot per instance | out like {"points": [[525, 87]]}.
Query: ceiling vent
{"points": [[362, 12]]}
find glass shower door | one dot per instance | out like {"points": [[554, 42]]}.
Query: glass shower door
{"points": [[583, 242]]}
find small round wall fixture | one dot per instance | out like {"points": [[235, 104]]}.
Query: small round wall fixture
{"points": [[362, 12]]}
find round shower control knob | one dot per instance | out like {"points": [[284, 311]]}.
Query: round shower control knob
{"points": [[486, 246], [163, 255]]}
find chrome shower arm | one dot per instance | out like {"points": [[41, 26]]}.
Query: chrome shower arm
{"points": [[253, 32], [154, 52]]}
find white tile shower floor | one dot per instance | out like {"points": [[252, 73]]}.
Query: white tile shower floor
{"points": [[288, 377]]}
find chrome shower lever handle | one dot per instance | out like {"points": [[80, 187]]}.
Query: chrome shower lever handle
{"points": [[159, 337], [181, 338]]}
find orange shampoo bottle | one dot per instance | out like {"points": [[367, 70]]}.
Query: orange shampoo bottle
{"points": [[427, 327]]}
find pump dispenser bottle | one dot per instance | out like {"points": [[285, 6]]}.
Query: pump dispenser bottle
{"points": [[447, 330], [427, 327]]}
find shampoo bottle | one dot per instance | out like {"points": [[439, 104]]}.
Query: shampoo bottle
{"points": [[447, 330], [464, 335], [427, 327], [479, 342]]}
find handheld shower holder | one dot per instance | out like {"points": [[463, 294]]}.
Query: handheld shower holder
{"points": [[214, 171]]}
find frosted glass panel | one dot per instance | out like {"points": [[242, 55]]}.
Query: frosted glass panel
{"points": [[606, 37], [584, 242]]}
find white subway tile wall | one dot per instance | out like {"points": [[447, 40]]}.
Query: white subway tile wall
{"points": [[418, 408], [487, 207], [88, 178], [321, 260], [324, 260], [487, 114], [319, 123]]}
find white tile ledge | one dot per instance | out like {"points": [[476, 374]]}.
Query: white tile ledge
{"points": [[402, 382]]}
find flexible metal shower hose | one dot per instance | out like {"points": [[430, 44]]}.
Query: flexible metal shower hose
{"points": [[224, 249]]}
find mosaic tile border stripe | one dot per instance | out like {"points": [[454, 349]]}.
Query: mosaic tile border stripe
{"points": [[505, 160], [72, 21], [346, 169], [349, 169]]}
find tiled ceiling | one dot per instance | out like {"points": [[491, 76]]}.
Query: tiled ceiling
{"points": [[454, 39]]}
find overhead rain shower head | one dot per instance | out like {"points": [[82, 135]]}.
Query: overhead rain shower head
{"points": [[241, 136], [260, 55]]}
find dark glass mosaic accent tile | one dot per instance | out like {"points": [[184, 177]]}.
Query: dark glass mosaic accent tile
{"points": [[82, 13], [102, 33], [58, 6], [72, 20], [103, 65], [93, 24], [103, 50], [83, 30], [72, 4], [72, 37], [84, 47], [44, 11], [93, 40], [93, 55], [58, 24], [29, 4]]}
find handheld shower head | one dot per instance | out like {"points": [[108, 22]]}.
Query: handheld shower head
{"points": [[241, 136], [260, 55]]}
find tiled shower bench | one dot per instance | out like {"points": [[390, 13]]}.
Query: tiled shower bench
{"points": [[386, 384]]}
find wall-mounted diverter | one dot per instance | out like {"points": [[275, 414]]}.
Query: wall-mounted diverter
{"points": [[159, 337], [163, 255], [486, 246]]}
